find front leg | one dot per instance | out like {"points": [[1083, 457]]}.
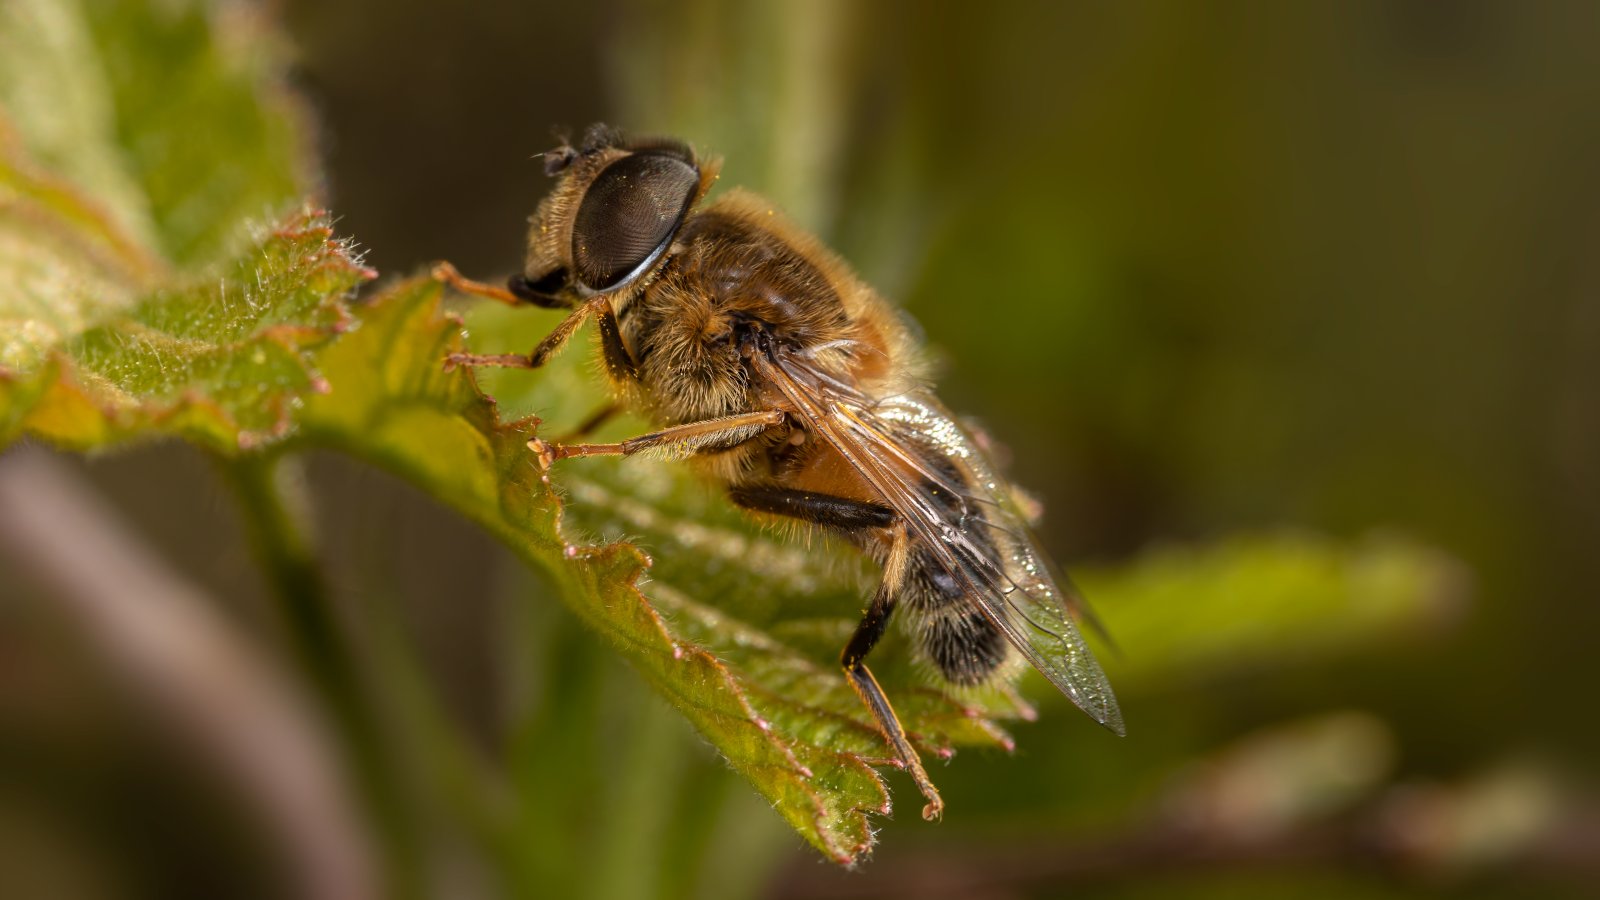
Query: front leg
{"points": [[545, 293], [679, 440], [619, 362]]}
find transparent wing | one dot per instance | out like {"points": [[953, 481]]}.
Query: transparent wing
{"points": [[928, 468]]}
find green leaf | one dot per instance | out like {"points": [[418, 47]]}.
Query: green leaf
{"points": [[1261, 602], [138, 142], [60, 111], [136, 145], [220, 362], [737, 629], [740, 628], [174, 116]]}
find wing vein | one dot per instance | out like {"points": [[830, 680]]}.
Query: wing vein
{"points": [[892, 442]]}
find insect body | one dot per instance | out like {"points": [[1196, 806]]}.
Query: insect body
{"points": [[765, 361]]}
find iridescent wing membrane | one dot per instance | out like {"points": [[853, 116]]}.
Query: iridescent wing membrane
{"points": [[929, 469]]}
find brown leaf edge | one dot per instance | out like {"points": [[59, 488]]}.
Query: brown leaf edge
{"points": [[64, 406]]}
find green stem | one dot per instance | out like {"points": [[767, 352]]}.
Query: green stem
{"points": [[275, 510]]}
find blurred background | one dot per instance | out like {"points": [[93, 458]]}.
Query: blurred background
{"points": [[1319, 272]]}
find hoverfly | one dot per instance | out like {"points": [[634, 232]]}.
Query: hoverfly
{"points": [[786, 379]]}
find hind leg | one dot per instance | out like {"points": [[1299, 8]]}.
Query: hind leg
{"points": [[846, 515], [853, 659]]}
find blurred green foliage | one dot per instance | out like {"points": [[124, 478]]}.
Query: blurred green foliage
{"points": [[1090, 212]]}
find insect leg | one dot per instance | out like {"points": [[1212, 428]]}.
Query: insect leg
{"points": [[712, 434], [853, 659], [450, 275], [810, 506], [541, 354], [849, 515], [619, 362]]}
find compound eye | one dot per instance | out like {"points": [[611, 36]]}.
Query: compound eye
{"points": [[628, 216]]}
